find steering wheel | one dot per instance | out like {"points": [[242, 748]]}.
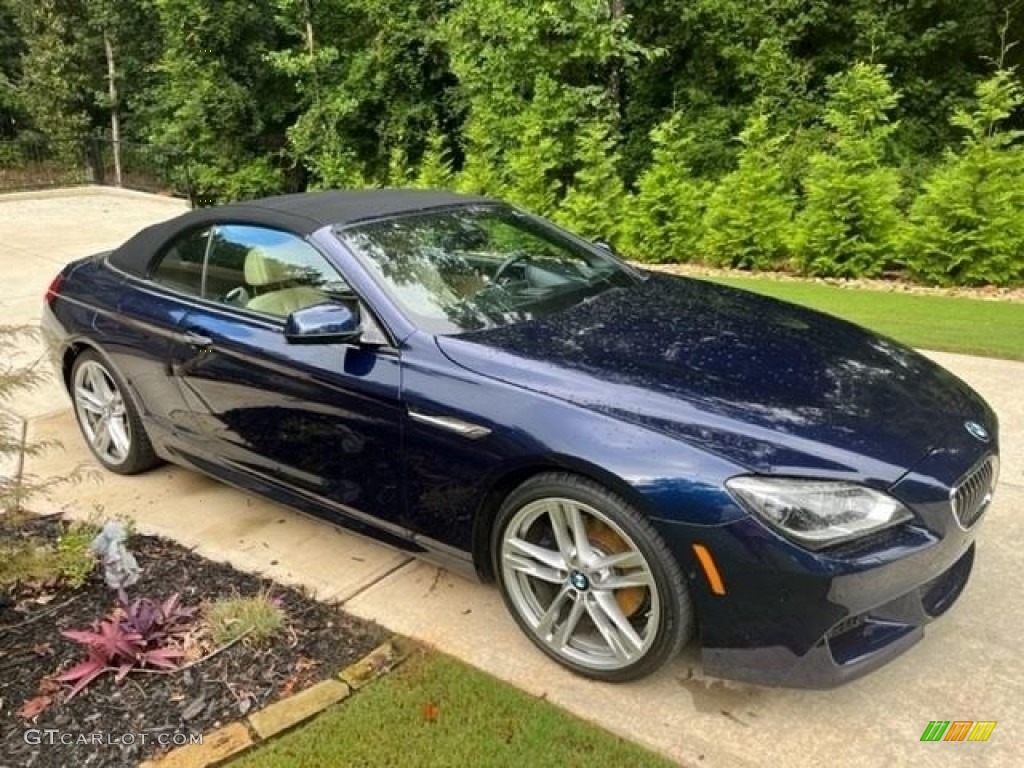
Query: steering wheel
{"points": [[515, 258]]}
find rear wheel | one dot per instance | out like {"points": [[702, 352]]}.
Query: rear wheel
{"points": [[107, 417], [589, 579]]}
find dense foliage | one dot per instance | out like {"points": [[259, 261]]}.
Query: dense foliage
{"points": [[844, 139]]}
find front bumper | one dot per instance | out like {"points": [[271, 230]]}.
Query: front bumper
{"points": [[853, 647], [796, 618]]}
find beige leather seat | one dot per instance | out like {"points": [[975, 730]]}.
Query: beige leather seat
{"points": [[264, 267]]}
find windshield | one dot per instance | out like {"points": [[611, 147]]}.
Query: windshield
{"points": [[477, 267]]}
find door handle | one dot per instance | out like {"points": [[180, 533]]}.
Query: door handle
{"points": [[197, 339]]}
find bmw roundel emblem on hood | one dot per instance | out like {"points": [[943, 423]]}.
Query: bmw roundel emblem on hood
{"points": [[976, 430]]}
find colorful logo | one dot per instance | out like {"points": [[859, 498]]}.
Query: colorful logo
{"points": [[958, 730]]}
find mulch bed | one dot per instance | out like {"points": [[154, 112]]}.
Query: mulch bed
{"points": [[318, 641]]}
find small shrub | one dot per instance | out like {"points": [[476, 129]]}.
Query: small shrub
{"points": [[542, 153], [479, 173], [73, 559], [25, 560], [31, 559], [435, 166], [751, 209], [595, 201], [143, 633], [158, 621], [17, 487], [256, 618], [23, 557], [666, 212], [849, 226], [967, 226]]}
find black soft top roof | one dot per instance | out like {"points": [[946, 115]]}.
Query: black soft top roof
{"points": [[301, 214]]}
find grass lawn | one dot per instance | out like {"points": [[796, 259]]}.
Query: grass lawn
{"points": [[971, 326], [435, 711]]}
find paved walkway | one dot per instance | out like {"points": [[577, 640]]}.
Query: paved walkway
{"points": [[967, 667]]}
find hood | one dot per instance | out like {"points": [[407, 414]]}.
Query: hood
{"points": [[771, 386]]}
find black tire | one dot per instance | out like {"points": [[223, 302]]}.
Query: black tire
{"points": [[665, 613], [139, 455]]}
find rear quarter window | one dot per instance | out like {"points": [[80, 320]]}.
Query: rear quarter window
{"points": [[180, 265]]}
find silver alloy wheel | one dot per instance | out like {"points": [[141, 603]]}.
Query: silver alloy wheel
{"points": [[101, 412], [566, 583]]}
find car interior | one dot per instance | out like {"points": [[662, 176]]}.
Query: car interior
{"points": [[271, 275], [277, 284]]}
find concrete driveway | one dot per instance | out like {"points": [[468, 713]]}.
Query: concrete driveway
{"points": [[968, 667]]}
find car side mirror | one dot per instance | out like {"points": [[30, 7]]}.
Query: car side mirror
{"points": [[334, 322], [604, 246]]}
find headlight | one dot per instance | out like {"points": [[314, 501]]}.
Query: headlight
{"points": [[817, 513]]}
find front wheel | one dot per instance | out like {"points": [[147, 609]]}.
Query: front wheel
{"points": [[588, 578]]}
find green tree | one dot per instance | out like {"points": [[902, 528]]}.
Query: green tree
{"points": [[750, 212], [399, 75], [542, 155], [559, 106], [82, 65], [12, 109], [217, 97], [312, 61], [60, 68], [595, 203], [528, 75], [435, 168], [935, 51], [372, 81], [665, 214], [967, 226], [128, 36], [480, 173], [849, 224], [722, 56]]}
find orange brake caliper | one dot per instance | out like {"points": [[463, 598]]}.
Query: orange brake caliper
{"points": [[609, 542]]}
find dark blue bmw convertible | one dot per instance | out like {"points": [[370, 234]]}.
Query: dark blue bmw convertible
{"points": [[637, 460]]}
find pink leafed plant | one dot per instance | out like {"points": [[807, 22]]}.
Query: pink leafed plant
{"points": [[140, 634]]}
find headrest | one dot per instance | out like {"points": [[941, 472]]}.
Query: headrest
{"points": [[264, 266]]}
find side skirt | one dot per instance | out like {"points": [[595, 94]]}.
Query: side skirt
{"points": [[430, 550]]}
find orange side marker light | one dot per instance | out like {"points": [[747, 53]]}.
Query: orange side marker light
{"points": [[710, 569]]}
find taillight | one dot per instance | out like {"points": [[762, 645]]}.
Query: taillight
{"points": [[54, 289]]}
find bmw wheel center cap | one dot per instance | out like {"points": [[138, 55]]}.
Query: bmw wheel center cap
{"points": [[579, 581]]}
